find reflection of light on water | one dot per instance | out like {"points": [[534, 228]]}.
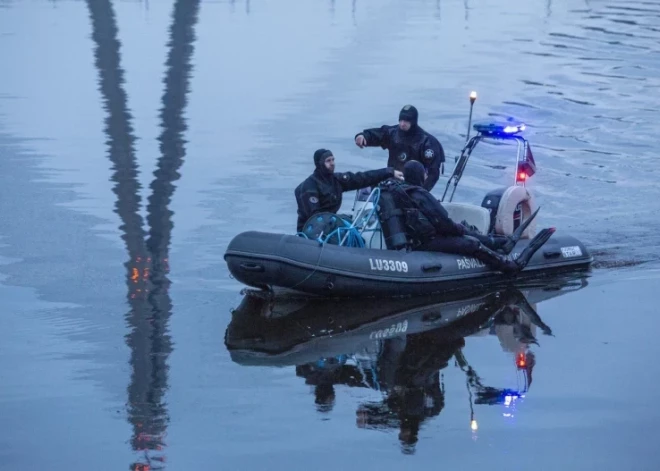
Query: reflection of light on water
{"points": [[474, 427], [510, 401]]}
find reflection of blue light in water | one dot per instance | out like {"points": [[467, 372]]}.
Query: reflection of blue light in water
{"points": [[509, 400], [332, 361], [508, 396]]}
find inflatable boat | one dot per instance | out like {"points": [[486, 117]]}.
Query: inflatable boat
{"points": [[267, 330], [365, 254]]}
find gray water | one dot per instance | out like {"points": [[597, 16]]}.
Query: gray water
{"points": [[227, 108]]}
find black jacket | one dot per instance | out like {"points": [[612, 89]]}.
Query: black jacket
{"points": [[323, 192], [415, 144], [425, 216]]}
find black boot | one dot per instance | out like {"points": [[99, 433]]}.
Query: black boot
{"points": [[535, 244], [507, 243], [495, 260], [501, 263]]}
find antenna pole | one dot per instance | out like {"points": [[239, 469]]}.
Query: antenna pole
{"points": [[473, 98]]}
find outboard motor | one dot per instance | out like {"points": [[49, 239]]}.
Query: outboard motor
{"points": [[391, 221]]}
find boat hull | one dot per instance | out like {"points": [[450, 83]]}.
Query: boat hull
{"points": [[270, 260]]}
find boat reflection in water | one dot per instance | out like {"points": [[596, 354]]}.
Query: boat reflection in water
{"points": [[398, 348]]}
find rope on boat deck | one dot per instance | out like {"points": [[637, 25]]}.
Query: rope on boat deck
{"points": [[348, 236]]}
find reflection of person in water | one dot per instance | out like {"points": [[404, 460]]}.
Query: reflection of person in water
{"points": [[325, 397], [323, 375], [409, 372]]}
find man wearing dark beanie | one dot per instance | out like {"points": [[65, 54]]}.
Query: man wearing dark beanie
{"points": [[430, 228], [405, 142], [322, 190]]}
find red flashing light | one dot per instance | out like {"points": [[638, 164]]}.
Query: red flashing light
{"points": [[521, 361], [521, 177]]}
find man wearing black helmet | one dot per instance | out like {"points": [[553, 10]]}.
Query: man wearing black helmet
{"points": [[322, 190], [405, 142], [431, 229]]}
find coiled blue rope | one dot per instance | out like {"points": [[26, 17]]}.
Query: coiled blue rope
{"points": [[349, 235]]}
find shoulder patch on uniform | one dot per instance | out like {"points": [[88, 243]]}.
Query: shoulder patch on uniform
{"points": [[313, 199], [428, 153], [403, 157]]}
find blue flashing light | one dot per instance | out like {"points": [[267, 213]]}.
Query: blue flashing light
{"points": [[495, 129], [508, 397]]}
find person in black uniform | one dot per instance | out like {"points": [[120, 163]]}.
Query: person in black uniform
{"points": [[322, 190], [405, 142], [431, 229]]}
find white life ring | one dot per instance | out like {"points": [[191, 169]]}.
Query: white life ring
{"points": [[512, 197]]}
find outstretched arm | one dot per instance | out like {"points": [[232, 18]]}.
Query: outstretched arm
{"points": [[374, 137], [356, 180]]}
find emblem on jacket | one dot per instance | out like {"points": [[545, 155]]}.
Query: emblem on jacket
{"points": [[313, 199], [403, 157], [428, 153]]}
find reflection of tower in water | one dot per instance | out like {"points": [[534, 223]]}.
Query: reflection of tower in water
{"points": [[147, 283]]}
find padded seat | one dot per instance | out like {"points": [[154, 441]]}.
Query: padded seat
{"points": [[472, 214]]}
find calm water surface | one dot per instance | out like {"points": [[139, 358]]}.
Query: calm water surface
{"points": [[137, 138]]}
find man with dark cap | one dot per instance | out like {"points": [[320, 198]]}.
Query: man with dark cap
{"points": [[431, 229], [405, 142], [322, 190]]}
